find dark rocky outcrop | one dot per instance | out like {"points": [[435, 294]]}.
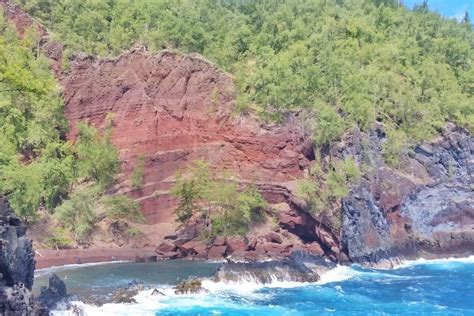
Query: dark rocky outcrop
{"points": [[17, 267], [424, 207], [298, 267], [191, 286], [54, 293]]}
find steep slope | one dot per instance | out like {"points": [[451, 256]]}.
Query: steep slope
{"points": [[173, 109]]}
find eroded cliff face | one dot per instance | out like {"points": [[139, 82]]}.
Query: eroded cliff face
{"points": [[172, 109]]}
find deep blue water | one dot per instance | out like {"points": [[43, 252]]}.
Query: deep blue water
{"points": [[443, 287]]}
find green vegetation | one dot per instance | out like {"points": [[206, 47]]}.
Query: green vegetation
{"points": [[138, 173], [227, 210], [122, 207], [60, 239], [38, 169], [341, 63], [345, 63], [323, 188], [78, 213], [33, 171], [98, 160]]}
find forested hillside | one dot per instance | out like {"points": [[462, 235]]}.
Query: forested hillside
{"points": [[345, 63], [339, 64]]}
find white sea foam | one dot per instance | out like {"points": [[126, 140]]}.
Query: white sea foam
{"points": [[338, 274], [220, 293], [421, 261]]}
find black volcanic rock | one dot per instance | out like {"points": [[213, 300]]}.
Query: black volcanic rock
{"points": [[17, 267], [424, 207], [54, 293]]}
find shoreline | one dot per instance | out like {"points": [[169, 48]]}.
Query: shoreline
{"points": [[49, 258], [46, 258]]}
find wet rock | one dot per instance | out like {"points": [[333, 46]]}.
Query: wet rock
{"points": [[124, 296], [266, 272], [54, 293], [157, 292], [191, 286], [168, 255]]}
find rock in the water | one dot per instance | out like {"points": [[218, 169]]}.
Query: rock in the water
{"points": [[54, 293], [122, 295], [299, 267], [191, 286]]}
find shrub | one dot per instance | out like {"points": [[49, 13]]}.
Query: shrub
{"points": [[138, 173], [122, 207], [78, 214], [97, 157], [228, 210], [60, 239]]}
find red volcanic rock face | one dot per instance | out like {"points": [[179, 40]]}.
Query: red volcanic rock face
{"points": [[171, 110]]}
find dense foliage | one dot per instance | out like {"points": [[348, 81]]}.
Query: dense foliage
{"points": [[345, 63], [38, 168], [227, 209], [34, 162]]}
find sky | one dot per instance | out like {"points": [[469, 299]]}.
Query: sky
{"points": [[447, 8]]}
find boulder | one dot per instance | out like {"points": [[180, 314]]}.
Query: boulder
{"points": [[218, 241], [236, 244], [252, 244], [216, 252], [278, 250], [314, 248], [54, 293], [165, 247], [274, 237], [191, 286]]}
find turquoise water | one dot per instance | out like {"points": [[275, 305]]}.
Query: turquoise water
{"points": [[442, 287]]}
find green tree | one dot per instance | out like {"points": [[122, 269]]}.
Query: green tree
{"points": [[97, 156], [122, 207], [78, 213]]}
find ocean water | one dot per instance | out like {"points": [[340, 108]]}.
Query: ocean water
{"points": [[438, 287]]}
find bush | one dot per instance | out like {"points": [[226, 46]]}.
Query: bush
{"points": [[228, 210], [78, 214], [134, 232], [122, 207], [138, 173], [59, 240], [97, 157]]}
